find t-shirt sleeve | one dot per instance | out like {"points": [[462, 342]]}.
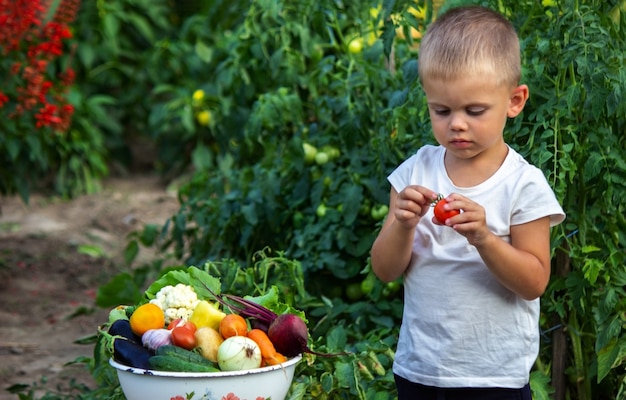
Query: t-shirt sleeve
{"points": [[535, 200]]}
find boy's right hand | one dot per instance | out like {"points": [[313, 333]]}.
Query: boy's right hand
{"points": [[411, 204]]}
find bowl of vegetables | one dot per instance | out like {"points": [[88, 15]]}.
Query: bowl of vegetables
{"points": [[185, 340], [261, 383]]}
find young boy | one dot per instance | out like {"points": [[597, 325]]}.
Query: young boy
{"points": [[472, 284]]}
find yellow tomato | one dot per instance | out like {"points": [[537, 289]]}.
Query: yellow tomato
{"points": [[204, 117], [374, 11], [198, 95], [415, 34], [371, 38], [145, 317]]}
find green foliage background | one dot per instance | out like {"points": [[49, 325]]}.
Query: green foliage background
{"points": [[278, 74]]}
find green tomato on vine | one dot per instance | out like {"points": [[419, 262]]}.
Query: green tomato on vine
{"points": [[379, 212], [355, 46], [321, 158], [310, 152]]}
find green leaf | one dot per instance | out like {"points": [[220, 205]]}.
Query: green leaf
{"points": [[608, 357], [344, 372], [398, 98], [142, 25], [186, 118], [592, 268], [388, 36], [149, 234], [111, 27], [193, 276], [540, 386], [202, 158], [122, 289], [327, 380], [12, 147], [337, 338], [352, 198], [131, 251], [91, 250], [590, 249], [204, 52], [249, 212], [410, 71]]}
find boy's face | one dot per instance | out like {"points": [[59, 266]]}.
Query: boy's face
{"points": [[468, 114]]}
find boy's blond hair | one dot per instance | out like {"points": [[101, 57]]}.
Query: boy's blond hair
{"points": [[469, 42]]}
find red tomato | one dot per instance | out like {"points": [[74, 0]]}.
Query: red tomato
{"points": [[179, 322], [184, 336], [175, 323], [441, 214]]}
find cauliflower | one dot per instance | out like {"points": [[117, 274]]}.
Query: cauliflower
{"points": [[176, 301]]}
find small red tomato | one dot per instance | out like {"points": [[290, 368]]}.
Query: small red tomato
{"points": [[441, 214], [179, 322], [184, 336], [175, 323]]}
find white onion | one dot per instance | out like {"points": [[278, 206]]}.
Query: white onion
{"points": [[155, 338], [238, 353]]}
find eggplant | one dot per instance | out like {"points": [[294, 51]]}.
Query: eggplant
{"points": [[130, 353], [122, 328]]}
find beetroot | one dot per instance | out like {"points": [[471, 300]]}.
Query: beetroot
{"points": [[289, 334]]}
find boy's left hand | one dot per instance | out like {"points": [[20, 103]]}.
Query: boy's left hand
{"points": [[471, 222]]}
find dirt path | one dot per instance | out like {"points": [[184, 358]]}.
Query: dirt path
{"points": [[48, 287]]}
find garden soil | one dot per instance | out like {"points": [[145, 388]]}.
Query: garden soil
{"points": [[48, 282]]}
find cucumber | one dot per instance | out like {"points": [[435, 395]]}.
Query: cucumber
{"points": [[173, 363], [183, 354]]}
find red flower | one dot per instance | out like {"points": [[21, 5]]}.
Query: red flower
{"points": [[32, 46], [66, 112], [177, 398], [47, 116], [231, 396], [66, 12], [17, 19], [67, 76], [3, 99]]}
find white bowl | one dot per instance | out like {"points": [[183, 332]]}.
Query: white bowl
{"points": [[260, 383]]}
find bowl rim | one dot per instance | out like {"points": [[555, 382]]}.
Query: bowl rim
{"points": [[175, 374]]}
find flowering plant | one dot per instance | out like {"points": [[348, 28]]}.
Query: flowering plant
{"points": [[35, 113], [31, 49]]}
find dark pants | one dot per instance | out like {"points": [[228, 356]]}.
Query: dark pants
{"points": [[408, 390]]}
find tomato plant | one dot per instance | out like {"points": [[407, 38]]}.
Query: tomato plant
{"points": [[323, 177]]}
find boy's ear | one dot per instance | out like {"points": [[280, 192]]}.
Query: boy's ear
{"points": [[519, 95]]}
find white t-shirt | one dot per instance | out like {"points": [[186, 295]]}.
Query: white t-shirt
{"points": [[461, 327]]}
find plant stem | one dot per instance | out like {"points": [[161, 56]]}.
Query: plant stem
{"points": [[582, 380]]}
